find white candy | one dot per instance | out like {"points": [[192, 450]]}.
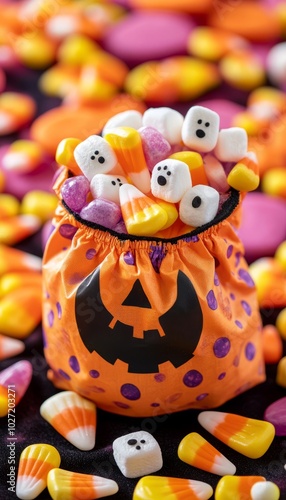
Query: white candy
{"points": [[199, 205], [170, 179], [95, 156], [265, 490], [128, 118], [200, 129], [107, 186], [276, 64], [137, 454], [232, 144], [168, 121]]}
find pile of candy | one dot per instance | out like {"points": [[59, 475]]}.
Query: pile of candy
{"points": [[175, 169]]}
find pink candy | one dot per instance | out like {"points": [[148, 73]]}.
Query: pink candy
{"points": [[74, 192], [155, 146], [276, 415], [103, 212]]}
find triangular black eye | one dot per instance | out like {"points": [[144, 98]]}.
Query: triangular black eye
{"points": [[137, 297]]}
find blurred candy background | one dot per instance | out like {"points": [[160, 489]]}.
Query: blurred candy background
{"points": [[66, 67]]}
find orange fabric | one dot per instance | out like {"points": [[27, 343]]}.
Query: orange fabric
{"points": [[145, 327]]}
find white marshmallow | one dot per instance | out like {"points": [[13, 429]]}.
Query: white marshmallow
{"points": [[232, 144], [137, 454], [170, 179], [168, 121], [107, 186], [276, 64], [95, 156], [200, 129], [199, 205], [129, 118]]}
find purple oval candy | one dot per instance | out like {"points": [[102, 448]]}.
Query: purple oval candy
{"points": [[276, 415]]}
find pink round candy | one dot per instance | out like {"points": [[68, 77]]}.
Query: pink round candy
{"points": [[144, 36], [103, 212], [276, 415], [74, 192]]}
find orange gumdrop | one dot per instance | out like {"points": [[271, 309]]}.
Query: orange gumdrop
{"points": [[272, 345]]}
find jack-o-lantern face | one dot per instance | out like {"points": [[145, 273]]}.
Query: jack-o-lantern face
{"points": [[138, 333]]}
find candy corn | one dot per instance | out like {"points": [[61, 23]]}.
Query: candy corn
{"points": [[17, 228], [12, 281], [22, 156], [236, 487], [65, 156], [73, 417], [195, 164], [66, 485], [281, 372], [16, 110], [10, 347], [14, 381], [265, 490], [127, 145], [35, 462], [196, 451], [171, 488], [9, 205], [244, 176], [12, 259], [272, 344], [40, 204], [21, 311], [248, 436], [142, 215]]}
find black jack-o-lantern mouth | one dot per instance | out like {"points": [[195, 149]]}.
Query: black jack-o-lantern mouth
{"points": [[175, 339]]}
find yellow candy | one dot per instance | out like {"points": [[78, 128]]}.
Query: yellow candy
{"points": [[12, 281], [274, 182], [280, 254], [35, 50], [65, 156], [66, 485], [268, 95], [76, 49], [9, 205], [281, 323], [171, 488], [91, 87], [246, 120], [242, 70], [35, 462], [171, 211], [60, 80], [195, 164], [281, 372], [2, 181], [213, 44], [236, 487], [20, 311], [39, 203], [242, 178]]}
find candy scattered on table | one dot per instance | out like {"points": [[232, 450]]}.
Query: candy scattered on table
{"points": [[281, 372], [271, 344], [21, 310], [198, 452], [35, 463], [10, 347], [137, 454], [14, 382], [73, 417], [63, 484], [250, 437], [238, 487], [171, 488], [265, 490]]}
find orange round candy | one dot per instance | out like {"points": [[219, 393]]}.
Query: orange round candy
{"points": [[272, 345]]}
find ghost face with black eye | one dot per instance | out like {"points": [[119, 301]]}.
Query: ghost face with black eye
{"points": [[95, 156], [170, 179], [200, 129]]}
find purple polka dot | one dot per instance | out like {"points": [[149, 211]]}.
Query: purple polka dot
{"points": [[74, 364], [90, 253], [124, 406], [245, 276], [216, 280], [202, 396], [51, 318], [63, 374], [221, 347], [229, 251], [67, 231], [94, 373], [232, 296], [221, 376], [160, 377], [129, 258], [239, 324], [211, 300], [155, 405], [59, 310], [130, 391], [76, 278], [192, 378], [246, 307], [193, 239], [237, 258], [250, 351], [173, 397]]}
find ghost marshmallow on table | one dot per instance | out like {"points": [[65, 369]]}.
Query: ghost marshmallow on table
{"points": [[200, 129], [95, 156]]}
